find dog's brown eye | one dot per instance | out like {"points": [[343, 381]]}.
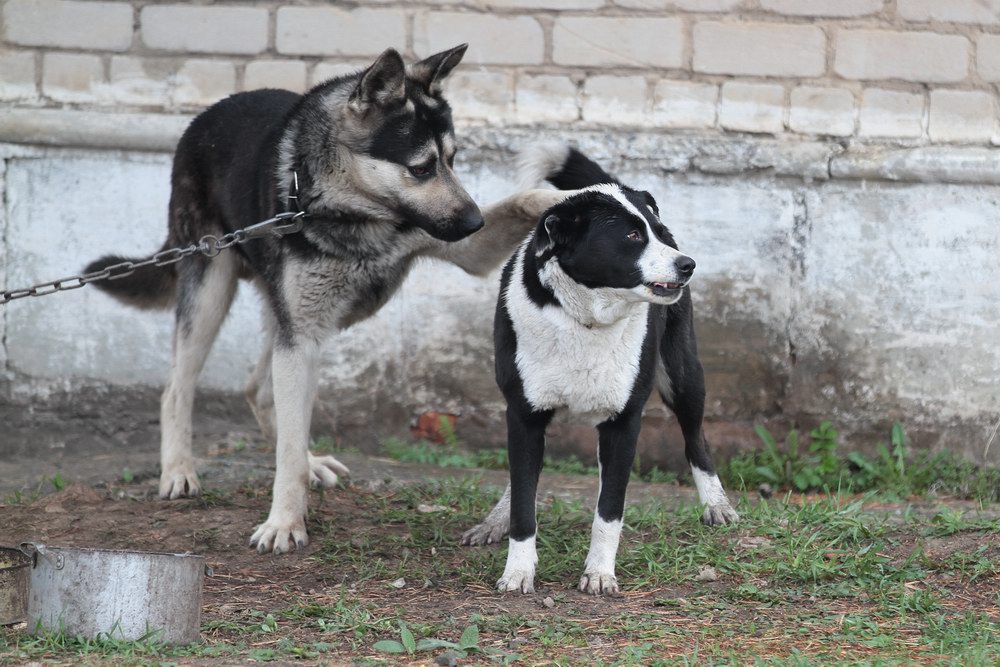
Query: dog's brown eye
{"points": [[634, 236], [421, 170]]}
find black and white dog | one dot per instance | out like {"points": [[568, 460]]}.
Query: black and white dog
{"points": [[372, 154], [594, 311]]}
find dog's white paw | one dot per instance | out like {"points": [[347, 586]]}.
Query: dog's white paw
{"points": [[599, 583], [517, 580], [324, 471], [718, 515], [280, 536], [178, 482], [486, 532]]}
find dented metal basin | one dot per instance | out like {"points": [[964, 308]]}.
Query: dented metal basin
{"points": [[123, 594], [14, 575]]}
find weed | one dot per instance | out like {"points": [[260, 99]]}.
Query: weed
{"points": [[894, 470]]}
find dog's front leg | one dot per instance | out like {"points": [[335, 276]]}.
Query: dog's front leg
{"points": [[525, 450], [616, 451], [295, 376], [507, 222]]}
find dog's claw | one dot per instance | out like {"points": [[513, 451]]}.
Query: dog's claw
{"points": [[484, 533], [324, 471], [599, 583], [278, 538], [179, 483], [718, 515], [518, 580]]}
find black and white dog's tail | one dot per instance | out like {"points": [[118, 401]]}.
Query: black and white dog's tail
{"points": [[149, 288], [561, 165]]}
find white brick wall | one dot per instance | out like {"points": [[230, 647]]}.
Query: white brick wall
{"points": [[18, 80], [202, 82], [985, 12], [500, 39], [682, 104], [891, 113], [204, 29], [71, 77], [68, 24], [752, 107], [627, 42], [962, 116], [285, 74], [759, 49], [332, 31], [546, 98], [909, 56], [877, 70], [822, 111], [839, 8], [616, 99]]}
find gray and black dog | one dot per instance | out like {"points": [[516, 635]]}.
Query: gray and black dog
{"points": [[372, 154]]}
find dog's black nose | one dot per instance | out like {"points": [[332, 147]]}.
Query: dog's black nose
{"points": [[685, 266], [471, 220]]}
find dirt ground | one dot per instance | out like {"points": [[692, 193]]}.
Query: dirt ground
{"points": [[331, 602]]}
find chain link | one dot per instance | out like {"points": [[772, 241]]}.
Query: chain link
{"points": [[208, 245]]}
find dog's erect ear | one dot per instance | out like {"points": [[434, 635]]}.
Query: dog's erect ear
{"points": [[383, 84], [554, 231], [651, 203], [431, 71]]}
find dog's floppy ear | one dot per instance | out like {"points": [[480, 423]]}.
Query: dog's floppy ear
{"points": [[555, 230], [431, 71], [383, 84]]}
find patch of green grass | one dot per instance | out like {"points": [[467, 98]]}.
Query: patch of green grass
{"points": [[894, 470]]}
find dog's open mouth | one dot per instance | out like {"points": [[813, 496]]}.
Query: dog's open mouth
{"points": [[664, 289]]}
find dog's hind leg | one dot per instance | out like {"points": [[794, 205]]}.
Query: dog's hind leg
{"points": [[205, 293], [259, 391], [295, 372], [494, 526], [680, 380]]}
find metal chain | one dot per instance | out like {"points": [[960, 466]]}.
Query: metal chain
{"points": [[208, 245]]}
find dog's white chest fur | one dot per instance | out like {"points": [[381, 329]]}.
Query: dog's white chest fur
{"points": [[566, 364]]}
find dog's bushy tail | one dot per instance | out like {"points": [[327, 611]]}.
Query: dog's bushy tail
{"points": [[149, 288], [561, 165]]}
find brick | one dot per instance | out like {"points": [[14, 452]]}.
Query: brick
{"points": [[70, 77], [545, 98], [484, 96], [629, 42], [837, 8], [925, 57], [962, 116], [682, 104], [687, 5], [326, 71], [759, 49], [284, 74], [513, 40], [823, 111], [615, 100], [202, 82], [141, 81], [332, 31], [543, 4], [68, 24], [988, 57], [890, 113], [985, 12], [752, 107], [17, 81], [204, 29]]}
